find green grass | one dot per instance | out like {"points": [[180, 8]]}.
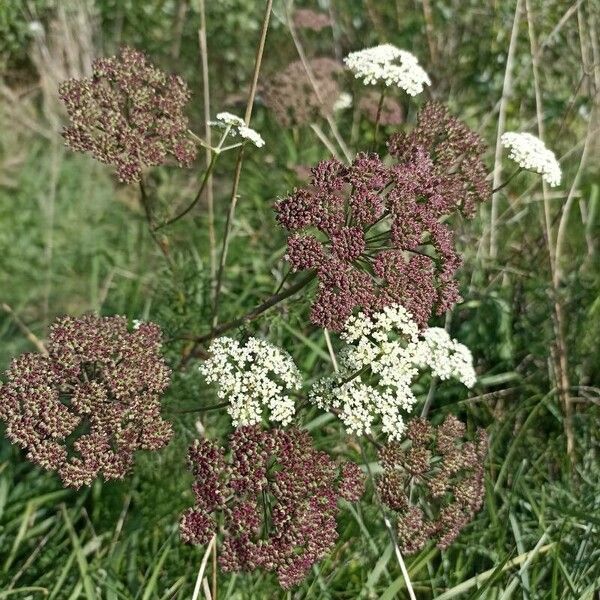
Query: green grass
{"points": [[72, 240]]}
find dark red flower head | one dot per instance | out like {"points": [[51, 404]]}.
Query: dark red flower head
{"points": [[86, 407], [377, 234], [446, 476], [279, 498], [128, 114]]}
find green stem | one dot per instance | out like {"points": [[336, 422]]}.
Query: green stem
{"points": [[145, 200], [378, 117], [238, 166], [182, 214], [257, 311], [510, 178]]}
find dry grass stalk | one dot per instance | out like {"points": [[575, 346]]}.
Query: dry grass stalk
{"points": [[238, 166], [506, 93], [559, 353], [208, 137], [305, 63]]}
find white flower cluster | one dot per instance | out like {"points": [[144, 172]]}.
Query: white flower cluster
{"points": [[447, 358], [532, 154], [252, 376], [343, 102], [237, 126], [388, 65], [383, 355]]}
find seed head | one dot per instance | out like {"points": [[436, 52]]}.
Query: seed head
{"points": [[85, 408], [128, 114]]}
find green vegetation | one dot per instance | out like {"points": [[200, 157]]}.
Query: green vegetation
{"points": [[74, 240]]}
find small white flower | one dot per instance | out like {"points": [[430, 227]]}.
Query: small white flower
{"points": [[35, 28], [137, 323], [446, 357], [250, 134], [251, 377], [237, 126], [227, 118], [384, 354], [388, 65], [343, 102], [530, 153]]}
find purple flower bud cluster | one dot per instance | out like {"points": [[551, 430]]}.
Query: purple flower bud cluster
{"points": [[278, 496], [376, 234], [446, 475], [457, 172], [85, 408], [291, 96], [128, 114]]}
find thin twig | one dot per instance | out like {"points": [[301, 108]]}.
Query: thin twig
{"points": [[389, 528], [208, 137], [257, 311], [145, 201], [200, 577], [553, 35], [559, 355], [508, 180], [214, 573], [429, 31], [429, 399], [50, 197], [330, 350], [324, 139], [506, 93], [24, 329], [196, 199], [238, 166], [249, 316], [314, 84], [206, 588], [202, 409], [562, 226], [378, 117], [178, 28]]}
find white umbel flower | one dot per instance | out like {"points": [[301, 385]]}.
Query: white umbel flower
{"points": [[237, 126], [251, 377], [530, 153], [447, 358], [390, 66], [252, 135], [343, 102], [227, 118], [384, 354]]}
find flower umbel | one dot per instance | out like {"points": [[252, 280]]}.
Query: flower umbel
{"points": [[128, 114], [252, 376], [446, 475], [530, 153], [282, 501], [390, 66], [383, 356], [84, 409], [377, 234], [237, 126]]}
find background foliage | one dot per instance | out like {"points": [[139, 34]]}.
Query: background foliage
{"points": [[72, 240]]}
